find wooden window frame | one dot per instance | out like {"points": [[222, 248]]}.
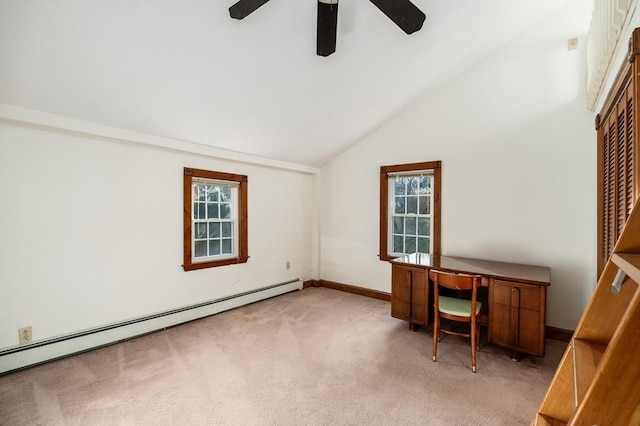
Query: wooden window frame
{"points": [[242, 237], [436, 166]]}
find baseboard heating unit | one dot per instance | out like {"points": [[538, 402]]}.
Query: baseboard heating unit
{"points": [[38, 352]]}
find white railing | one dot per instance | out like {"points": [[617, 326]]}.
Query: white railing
{"points": [[610, 18]]}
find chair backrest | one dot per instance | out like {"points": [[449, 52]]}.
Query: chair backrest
{"points": [[455, 281]]}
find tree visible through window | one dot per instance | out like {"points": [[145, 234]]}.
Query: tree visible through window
{"points": [[410, 209], [215, 219]]}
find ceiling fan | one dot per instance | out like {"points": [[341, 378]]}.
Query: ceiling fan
{"points": [[402, 12]]}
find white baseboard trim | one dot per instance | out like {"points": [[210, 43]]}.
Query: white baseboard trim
{"points": [[34, 353]]}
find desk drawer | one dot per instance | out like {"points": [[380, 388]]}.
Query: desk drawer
{"points": [[519, 295]]}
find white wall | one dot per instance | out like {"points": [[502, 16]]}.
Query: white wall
{"points": [[517, 146], [91, 230]]}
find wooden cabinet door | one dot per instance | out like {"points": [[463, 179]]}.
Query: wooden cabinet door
{"points": [[419, 301], [400, 293], [500, 324], [516, 316], [409, 292]]}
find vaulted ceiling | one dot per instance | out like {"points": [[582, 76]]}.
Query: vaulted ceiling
{"points": [[186, 70]]}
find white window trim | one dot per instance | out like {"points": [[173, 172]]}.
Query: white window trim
{"points": [[391, 208], [233, 219]]}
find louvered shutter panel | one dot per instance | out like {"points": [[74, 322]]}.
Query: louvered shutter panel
{"points": [[618, 166], [632, 143], [620, 172]]}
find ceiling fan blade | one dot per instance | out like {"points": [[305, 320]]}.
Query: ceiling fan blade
{"points": [[327, 27], [244, 8], [405, 14]]}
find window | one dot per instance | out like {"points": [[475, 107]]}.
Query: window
{"points": [[215, 219], [410, 209]]}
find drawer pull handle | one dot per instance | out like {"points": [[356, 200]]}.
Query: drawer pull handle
{"points": [[515, 317]]}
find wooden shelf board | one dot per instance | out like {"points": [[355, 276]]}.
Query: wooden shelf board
{"points": [[629, 263], [542, 420], [586, 357], [558, 402]]}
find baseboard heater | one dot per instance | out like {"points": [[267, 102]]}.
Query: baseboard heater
{"points": [[38, 352]]}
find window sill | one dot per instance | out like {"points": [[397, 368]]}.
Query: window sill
{"points": [[214, 263]]}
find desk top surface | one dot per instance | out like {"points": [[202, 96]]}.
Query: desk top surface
{"points": [[489, 268]]}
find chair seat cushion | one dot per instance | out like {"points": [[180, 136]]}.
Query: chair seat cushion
{"points": [[459, 307]]}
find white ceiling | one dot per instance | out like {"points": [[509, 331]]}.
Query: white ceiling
{"points": [[186, 70]]}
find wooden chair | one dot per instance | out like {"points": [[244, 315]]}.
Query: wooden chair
{"points": [[456, 309]]}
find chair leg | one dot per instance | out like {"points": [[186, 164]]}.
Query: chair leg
{"points": [[436, 336], [474, 343]]}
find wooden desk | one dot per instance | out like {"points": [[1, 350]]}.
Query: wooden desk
{"points": [[515, 303]]}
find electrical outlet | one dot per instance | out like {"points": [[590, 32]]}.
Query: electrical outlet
{"points": [[25, 335], [573, 43], [288, 264]]}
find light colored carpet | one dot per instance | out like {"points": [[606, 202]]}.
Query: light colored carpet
{"points": [[312, 357]]}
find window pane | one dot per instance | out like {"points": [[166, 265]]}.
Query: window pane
{"points": [[410, 226], [424, 225], [214, 229], [412, 205], [212, 211], [414, 186], [200, 207], [399, 186], [398, 225], [227, 246], [212, 195], [400, 203], [201, 230], [423, 245], [425, 185], [410, 245], [227, 230], [424, 205], [201, 248], [225, 211], [398, 246], [199, 192], [214, 247], [225, 194]]}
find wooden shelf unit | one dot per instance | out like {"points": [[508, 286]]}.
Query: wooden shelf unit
{"points": [[598, 379]]}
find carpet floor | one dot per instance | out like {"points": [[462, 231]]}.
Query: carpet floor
{"points": [[311, 357]]}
